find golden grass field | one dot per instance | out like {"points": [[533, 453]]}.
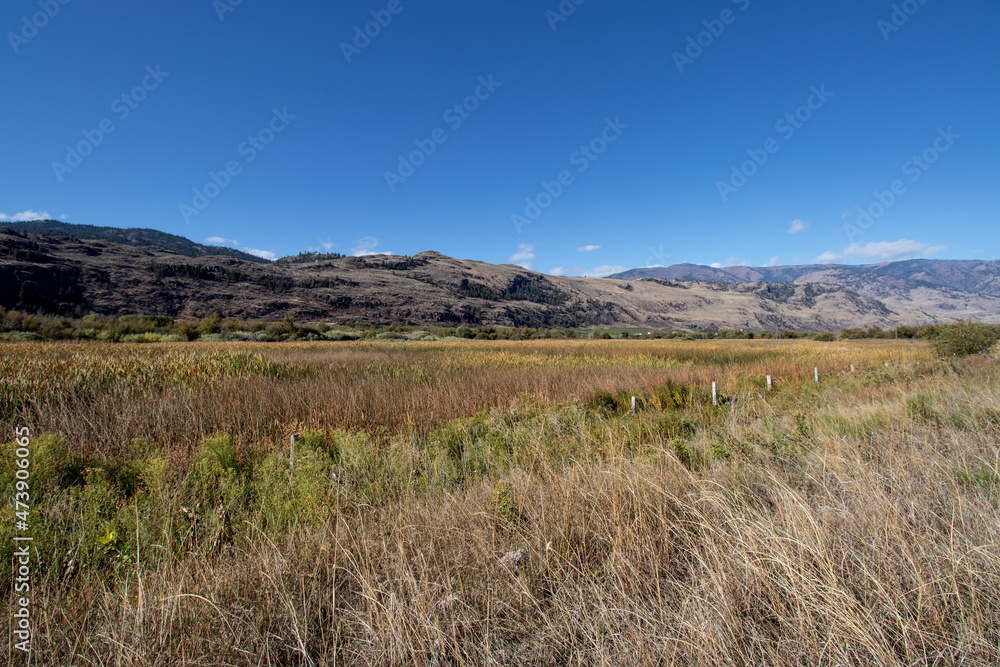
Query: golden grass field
{"points": [[495, 503]]}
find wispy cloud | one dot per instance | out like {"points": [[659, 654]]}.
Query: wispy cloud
{"points": [[588, 248], [886, 251], [220, 241], [525, 256], [367, 246], [772, 262], [596, 272], [730, 261], [266, 254], [796, 226], [26, 216], [603, 271]]}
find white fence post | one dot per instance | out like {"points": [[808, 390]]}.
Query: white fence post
{"points": [[633, 405], [816, 374], [769, 383], [715, 394], [291, 451]]}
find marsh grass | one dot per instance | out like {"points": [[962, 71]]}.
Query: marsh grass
{"points": [[101, 397], [853, 522]]}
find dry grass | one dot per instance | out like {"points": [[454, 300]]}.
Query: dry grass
{"points": [[856, 522], [100, 397]]}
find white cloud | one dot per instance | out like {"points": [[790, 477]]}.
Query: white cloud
{"points": [[26, 216], [525, 256], [730, 261], [829, 258], [772, 262], [366, 247], [603, 271], [886, 251], [796, 226], [266, 254], [588, 248], [596, 272], [220, 241], [327, 245], [62, 217]]}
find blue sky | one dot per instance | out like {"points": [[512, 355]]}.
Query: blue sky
{"points": [[586, 137]]}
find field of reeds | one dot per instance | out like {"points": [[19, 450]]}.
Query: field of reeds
{"points": [[495, 503]]}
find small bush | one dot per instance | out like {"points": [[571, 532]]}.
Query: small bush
{"points": [[965, 338], [188, 331], [342, 335], [142, 338]]}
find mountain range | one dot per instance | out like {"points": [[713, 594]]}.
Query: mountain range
{"points": [[59, 268], [925, 290]]}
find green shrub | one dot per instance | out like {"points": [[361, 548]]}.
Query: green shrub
{"points": [[504, 506], [142, 338], [19, 336], [188, 331], [336, 335], [212, 325], [298, 493], [53, 465], [964, 338]]}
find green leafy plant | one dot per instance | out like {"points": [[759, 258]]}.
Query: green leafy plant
{"points": [[965, 338]]}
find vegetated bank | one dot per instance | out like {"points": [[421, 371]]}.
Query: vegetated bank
{"points": [[18, 325]]}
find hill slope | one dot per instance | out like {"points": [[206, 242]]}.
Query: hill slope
{"points": [[77, 275], [140, 238], [917, 290]]}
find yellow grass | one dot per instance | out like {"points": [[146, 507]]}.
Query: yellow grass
{"points": [[495, 504], [178, 394]]}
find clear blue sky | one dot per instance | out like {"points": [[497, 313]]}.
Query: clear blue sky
{"points": [[653, 196]]}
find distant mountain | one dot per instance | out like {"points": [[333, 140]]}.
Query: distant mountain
{"points": [[934, 290], [140, 238], [74, 276], [66, 271], [977, 276]]}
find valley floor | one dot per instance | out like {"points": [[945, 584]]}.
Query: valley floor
{"points": [[497, 503]]}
